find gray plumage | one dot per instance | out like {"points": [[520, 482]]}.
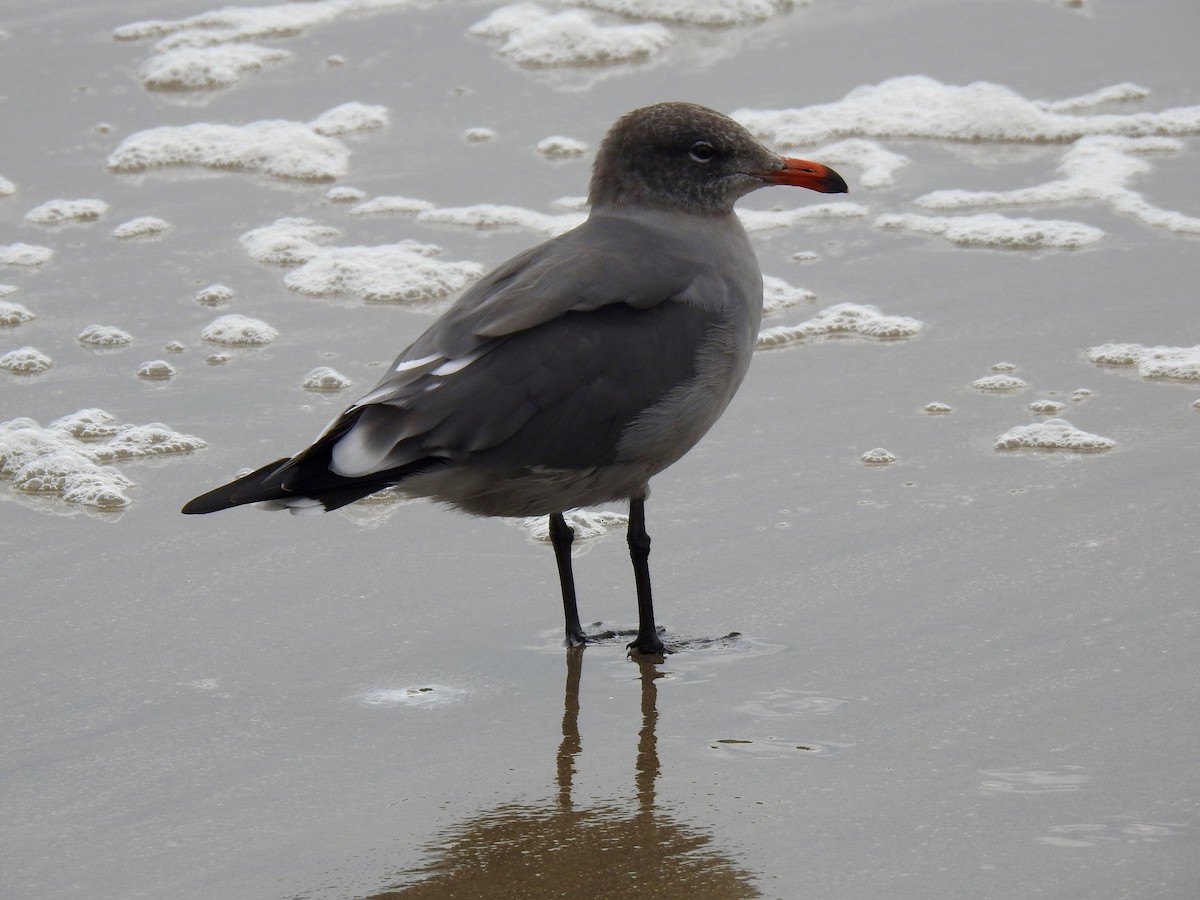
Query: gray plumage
{"points": [[576, 371]]}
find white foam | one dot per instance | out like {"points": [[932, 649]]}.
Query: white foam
{"points": [[1047, 407], [878, 457], [156, 369], [287, 242], [25, 361], [693, 12], [778, 295], [284, 149], [878, 164], [586, 524], [56, 212], [24, 254], [214, 295], [765, 220], [390, 205], [559, 147], [1053, 434], [534, 36], [403, 272], [841, 319], [1093, 169], [995, 230], [937, 408], [142, 441], [12, 313], [143, 226], [491, 215], [55, 460], [350, 117], [478, 135], [7, 188], [999, 383], [342, 194], [919, 106], [104, 336], [1179, 363], [239, 330], [430, 695], [205, 68], [218, 40], [323, 378]]}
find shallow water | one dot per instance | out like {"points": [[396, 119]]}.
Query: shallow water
{"points": [[967, 672]]}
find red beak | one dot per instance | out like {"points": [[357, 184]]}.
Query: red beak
{"points": [[805, 174]]}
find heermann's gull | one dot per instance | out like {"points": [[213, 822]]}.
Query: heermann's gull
{"points": [[579, 369]]}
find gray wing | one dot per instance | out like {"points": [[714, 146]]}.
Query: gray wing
{"points": [[574, 337]]}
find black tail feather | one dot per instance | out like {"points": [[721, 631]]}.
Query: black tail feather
{"points": [[308, 474]]}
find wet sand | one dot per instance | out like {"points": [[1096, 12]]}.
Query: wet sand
{"points": [[968, 672]]}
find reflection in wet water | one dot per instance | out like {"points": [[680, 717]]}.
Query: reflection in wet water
{"points": [[562, 849]]}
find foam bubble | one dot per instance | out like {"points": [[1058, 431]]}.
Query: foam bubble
{"points": [[586, 524], [350, 117], [141, 441], [1053, 434], [287, 242], [237, 329], [212, 49], [559, 147], [323, 378], [878, 164], [214, 295], [104, 336], [478, 135], [692, 12], [429, 695], [878, 457], [403, 272], [765, 220], [155, 369], [999, 383], [7, 188], [535, 36], [341, 194], [1094, 169], [390, 206], [56, 212], [491, 215], [1047, 407], [25, 361], [841, 319], [284, 149], [1180, 363], [143, 226], [937, 408], [23, 254], [56, 460], [994, 230], [91, 424], [778, 295], [919, 106], [12, 313]]}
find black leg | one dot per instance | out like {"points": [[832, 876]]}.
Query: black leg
{"points": [[561, 537], [639, 551]]}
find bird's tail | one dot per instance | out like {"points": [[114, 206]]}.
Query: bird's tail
{"points": [[307, 480]]}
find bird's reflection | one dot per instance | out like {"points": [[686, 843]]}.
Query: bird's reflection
{"points": [[562, 848]]}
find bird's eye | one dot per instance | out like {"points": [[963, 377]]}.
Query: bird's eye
{"points": [[702, 151]]}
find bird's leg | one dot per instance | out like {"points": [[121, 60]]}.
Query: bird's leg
{"points": [[639, 551], [561, 536]]}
